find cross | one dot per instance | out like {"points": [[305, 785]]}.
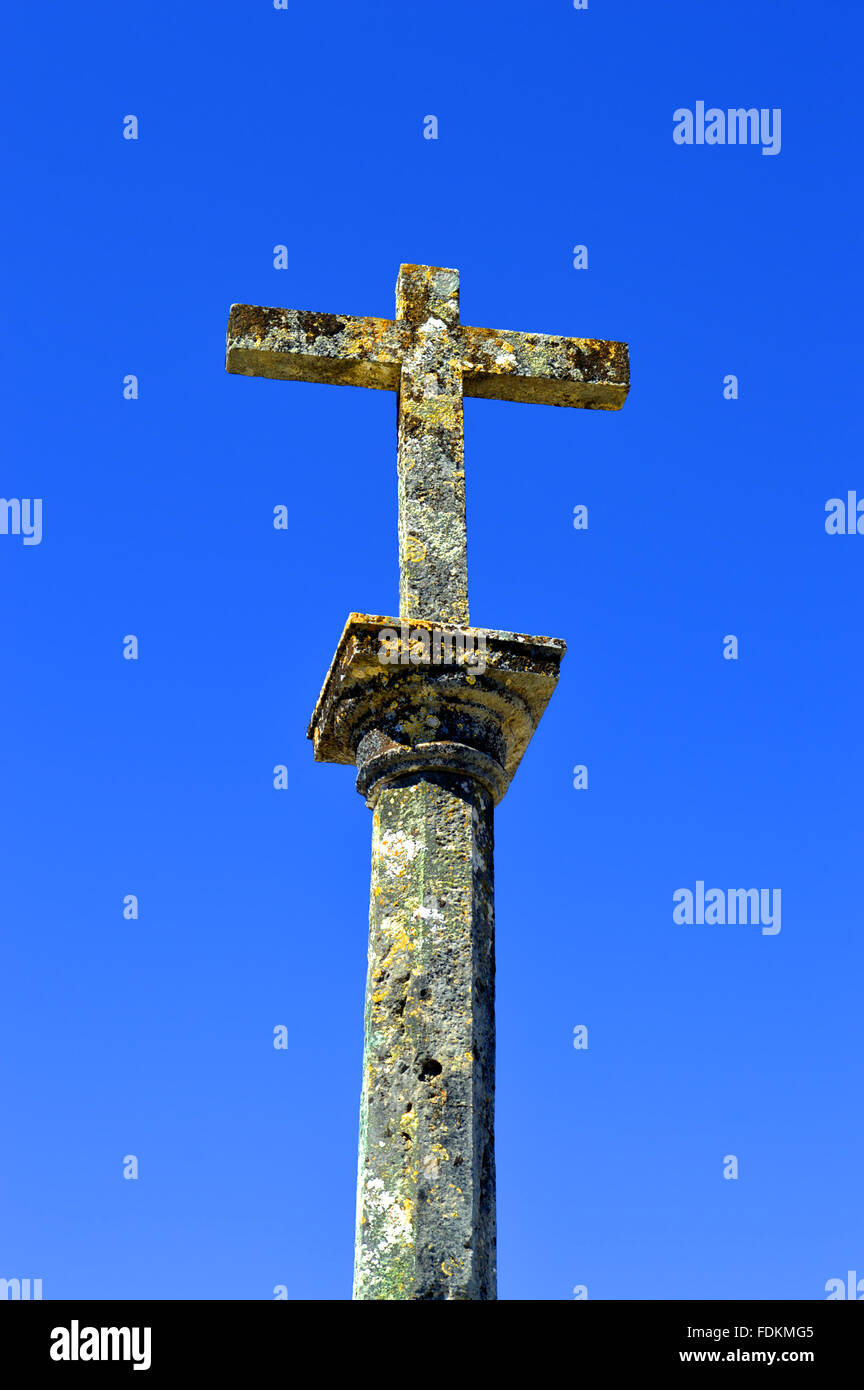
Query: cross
{"points": [[436, 742], [432, 362]]}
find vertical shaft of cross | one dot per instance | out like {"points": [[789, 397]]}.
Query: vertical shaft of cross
{"points": [[433, 550]]}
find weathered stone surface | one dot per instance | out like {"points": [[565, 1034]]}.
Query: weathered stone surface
{"points": [[433, 362], [296, 345], [343, 349], [433, 554], [436, 743], [435, 746], [388, 719], [426, 1175]]}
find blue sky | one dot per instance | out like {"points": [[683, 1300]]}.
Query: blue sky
{"points": [[154, 777]]}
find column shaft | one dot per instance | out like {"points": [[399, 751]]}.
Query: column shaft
{"points": [[426, 1181]]}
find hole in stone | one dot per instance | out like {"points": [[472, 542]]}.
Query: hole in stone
{"points": [[424, 994], [427, 1067]]}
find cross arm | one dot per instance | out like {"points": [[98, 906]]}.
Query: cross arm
{"points": [[300, 345], [544, 369]]}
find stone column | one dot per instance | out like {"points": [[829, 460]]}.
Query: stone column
{"points": [[426, 1179], [436, 740]]}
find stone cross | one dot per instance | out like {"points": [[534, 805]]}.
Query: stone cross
{"points": [[435, 716]]}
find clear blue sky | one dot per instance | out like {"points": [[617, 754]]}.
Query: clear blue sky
{"points": [[706, 518]]}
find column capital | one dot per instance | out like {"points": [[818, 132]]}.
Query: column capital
{"points": [[406, 698]]}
